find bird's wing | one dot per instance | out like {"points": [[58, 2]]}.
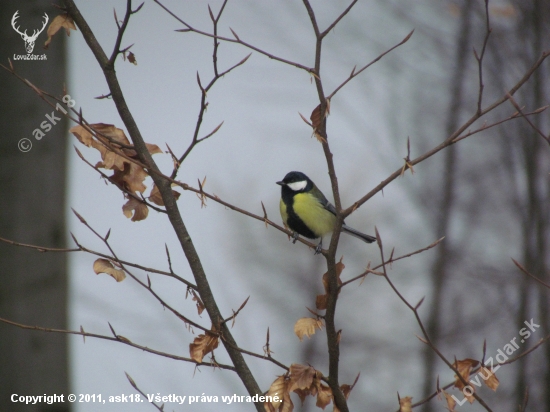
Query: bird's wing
{"points": [[323, 200]]}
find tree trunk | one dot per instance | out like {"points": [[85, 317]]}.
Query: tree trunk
{"points": [[32, 210]]}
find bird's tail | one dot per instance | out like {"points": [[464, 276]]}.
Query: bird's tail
{"points": [[362, 236]]}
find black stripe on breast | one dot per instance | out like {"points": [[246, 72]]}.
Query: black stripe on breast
{"points": [[294, 222]]}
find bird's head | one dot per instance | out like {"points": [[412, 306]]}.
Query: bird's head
{"points": [[297, 182]]}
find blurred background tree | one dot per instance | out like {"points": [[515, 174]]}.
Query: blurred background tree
{"points": [[32, 204]]}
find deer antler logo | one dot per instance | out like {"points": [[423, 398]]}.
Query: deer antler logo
{"points": [[29, 40]]}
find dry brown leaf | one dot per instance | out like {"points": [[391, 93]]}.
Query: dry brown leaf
{"points": [[303, 394], [316, 117], [197, 299], [62, 21], [153, 148], [464, 367], [301, 376], [279, 388], [339, 268], [451, 403], [321, 302], [110, 159], [105, 266], [83, 135], [346, 389], [287, 405], [203, 345], [127, 175], [131, 178], [132, 58], [405, 404], [306, 327], [324, 396], [109, 132], [156, 198], [135, 209], [489, 378]]}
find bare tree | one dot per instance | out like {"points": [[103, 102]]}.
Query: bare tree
{"points": [[130, 161]]}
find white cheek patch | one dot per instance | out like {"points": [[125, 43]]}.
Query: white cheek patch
{"points": [[297, 186]]}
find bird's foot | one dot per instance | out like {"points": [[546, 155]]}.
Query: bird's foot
{"points": [[319, 248]]}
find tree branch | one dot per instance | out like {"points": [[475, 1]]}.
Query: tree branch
{"points": [[170, 203], [453, 138], [235, 40], [117, 338]]}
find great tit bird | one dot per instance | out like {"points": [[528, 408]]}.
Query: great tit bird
{"points": [[307, 212]]}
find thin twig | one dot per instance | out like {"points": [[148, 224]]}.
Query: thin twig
{"points": [[356, 73], [340, 17], [119, 339], [451, 139], [120, 34], [390, 261], [535, 128], [530, 274], [135, 278], [134, 385], [428, 341], [480, 57], [204, 91], [103, 255], [235, 40], [527, 352]]}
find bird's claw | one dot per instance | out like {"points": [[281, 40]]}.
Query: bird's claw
{"points": [[319, 248]]}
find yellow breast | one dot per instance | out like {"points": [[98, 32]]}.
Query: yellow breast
{"points": [[313, 214]]}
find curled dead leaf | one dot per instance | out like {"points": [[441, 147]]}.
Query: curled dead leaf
{"points": [[451, 403], [118, 155], [405, 404], [301, 376], [106, 266], [132, 58], [489, 378], [306, 327], [316, 117], [135, 209], [203, 345], [280, 394], [198, 301], [156, 198], [464, 368], [339, 268], [62, 21], [324, 396], [321, 300], [346, 390]]}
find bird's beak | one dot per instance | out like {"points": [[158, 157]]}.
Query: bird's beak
{"points": [[281, 183]]}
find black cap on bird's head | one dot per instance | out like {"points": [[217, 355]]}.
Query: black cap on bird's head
{"points": [[296, 181]]}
